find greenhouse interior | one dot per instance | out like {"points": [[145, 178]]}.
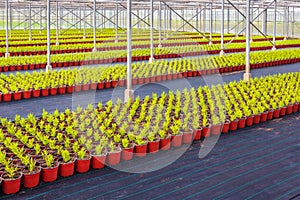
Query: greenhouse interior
{"points": [[150, 99]]}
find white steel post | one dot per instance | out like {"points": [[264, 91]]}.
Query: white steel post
{"points": [[117, 21], [222, 30], [6, 29], [95, 25], [29, 23], [159, 24], [247, 75], [48, 67], [57, 28], [129, 92], [210, 24], [274, 25], [151, 59]]}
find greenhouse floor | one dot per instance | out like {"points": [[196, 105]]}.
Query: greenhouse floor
{"points": [[261, 162], [61, 102]]}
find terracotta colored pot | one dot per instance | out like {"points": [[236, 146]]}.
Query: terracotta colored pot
{"points": [[216, 129], [225, 127], [17, 95], [276, 113], [264, 117], [45, 92], [242, 122], [36, 93], [283, 111], [206, 131], [256, 119]]}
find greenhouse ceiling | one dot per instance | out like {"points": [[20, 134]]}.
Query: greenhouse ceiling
{"points": [[145, 4]]}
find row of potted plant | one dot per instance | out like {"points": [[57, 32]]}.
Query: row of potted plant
{"points": [[79, 59], [185, 40], [37, 84], [190, 48], [61, 143]]}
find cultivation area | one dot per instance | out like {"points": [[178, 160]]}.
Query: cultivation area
{"points": [[149, 99]]}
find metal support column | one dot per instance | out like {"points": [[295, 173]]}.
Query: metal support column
{"points": [[237, 22], [204, 19], [275, 25], [170, 20], [183, 23], [264, 21], [41, 19], [197, 20], [210, 24], [228, 20], [129, 92], [247, 75], [117, 21], [293, 23], [48, 67], [10, 20], [84, 24], [95, 27], [159, 24], [222, 29], [286, 22], [151, 59], [29, 23], [57, 28], [6, 29], [165, 21]]}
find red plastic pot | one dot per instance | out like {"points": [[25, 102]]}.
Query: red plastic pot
{"points": [[32, 180], [153, 146], [295, 107], [264, 117], [276, 113], [249, 121], [233, 125], [7, 97], [83, 165], [289, 109], [62, 90], [216, 129], [93, 86], [53, 91], [100, 86], [113, 158], [85, 87], [66, 169], [176, 140], [17, 95], [225, 127], [140, 150], [70, 89], [206, 131], [50, 174], [127, 153], [256, 119], [283, 111], [242, 123], [165, 143], [45, 92], [36, 93], [108, 84], [114, 83], [27, 94], [197, 134], [98, 161], [77, 88], [187, 137], [11, 186]]}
